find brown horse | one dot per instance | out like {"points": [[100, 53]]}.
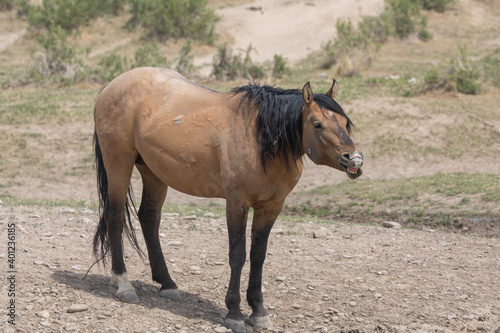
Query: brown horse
{"points": [[245, 146]]}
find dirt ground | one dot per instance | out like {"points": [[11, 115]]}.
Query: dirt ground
{"points": [[349, 279]]}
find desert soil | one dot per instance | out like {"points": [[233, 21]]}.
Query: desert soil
{"points": [[350, 278]]}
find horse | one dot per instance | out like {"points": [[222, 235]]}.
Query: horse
{"points": [[246, 146]]}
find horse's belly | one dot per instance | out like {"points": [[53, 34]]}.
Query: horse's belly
{"points": [[191, 173]]}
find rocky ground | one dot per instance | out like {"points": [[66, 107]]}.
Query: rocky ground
{"points": [[317, 277]]}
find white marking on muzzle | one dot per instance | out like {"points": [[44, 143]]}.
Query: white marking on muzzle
{"points": [[357, 159]]}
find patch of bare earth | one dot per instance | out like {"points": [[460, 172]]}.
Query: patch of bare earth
{"points": [[349, 279]]}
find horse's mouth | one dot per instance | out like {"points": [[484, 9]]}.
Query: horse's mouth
{"points": [[352, 173]]}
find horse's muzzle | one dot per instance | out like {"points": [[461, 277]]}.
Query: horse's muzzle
{"points": [[352, 164]]}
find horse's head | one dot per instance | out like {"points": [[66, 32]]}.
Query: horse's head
{"points": [[326, 130]]}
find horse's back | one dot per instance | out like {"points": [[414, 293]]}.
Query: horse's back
{"points": [[174, 124]]}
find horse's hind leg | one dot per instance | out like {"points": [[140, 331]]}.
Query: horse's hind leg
{"points": [[263, 221], [154, 192], [118, 174]]}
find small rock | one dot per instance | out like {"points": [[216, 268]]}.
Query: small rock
{"points": [[34, 216], [47, 234], [209, 215], [189, 217], [162, 235], [67, 211], [278, 231], [171, 214], [218, 263], [280, 278], [199, 313], [390, 224], [352, 303], [295, 306], [320, 233], [77, 308], [76, 267], [43, 314], [220, 329], [383, 272], [86, 220], [174, 243], [87, 211], [378, 295]]}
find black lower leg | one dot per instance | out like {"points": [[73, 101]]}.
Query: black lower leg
{"points": [[237, 254], [236, 221], [257, 257], [114, 221], [150, 221]]}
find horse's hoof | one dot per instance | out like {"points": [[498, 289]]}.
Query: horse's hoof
{"points": [[237, 326], [263, 322], [172, 294], [127, 296], [112, 282]]}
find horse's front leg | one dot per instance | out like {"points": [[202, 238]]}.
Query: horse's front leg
{"points": [[263, 221], [236, 225]]}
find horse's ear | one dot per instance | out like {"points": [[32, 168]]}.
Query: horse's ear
{"points": [[332, 93], [307, 93]]}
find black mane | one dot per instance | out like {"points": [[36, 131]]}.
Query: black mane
{"points": [[279, 119]]}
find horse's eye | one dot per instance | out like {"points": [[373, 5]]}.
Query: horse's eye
{"points": [[317, 124]]}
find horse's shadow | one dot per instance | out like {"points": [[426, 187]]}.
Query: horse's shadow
{"points": [[189, 306]]}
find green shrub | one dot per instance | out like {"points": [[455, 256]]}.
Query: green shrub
{"points": [[432, 76], [56, 63], [110, 67], [256, 72], [351, 41], [279, 66], [346, 43], [465, 73], [436, 5], [113, 65], [59, 53], [71, 14], [184, 63], [6, 5], [21, 6], [423, 33], [227, 66], [176, 19], [466, 82], [404, 15], [150, 55], [375, 29], [491, 67]]}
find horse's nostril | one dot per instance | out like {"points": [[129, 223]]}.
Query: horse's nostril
{"points": [[346, 157]]}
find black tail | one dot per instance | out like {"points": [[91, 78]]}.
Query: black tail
{"points": [[101, 241]]}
